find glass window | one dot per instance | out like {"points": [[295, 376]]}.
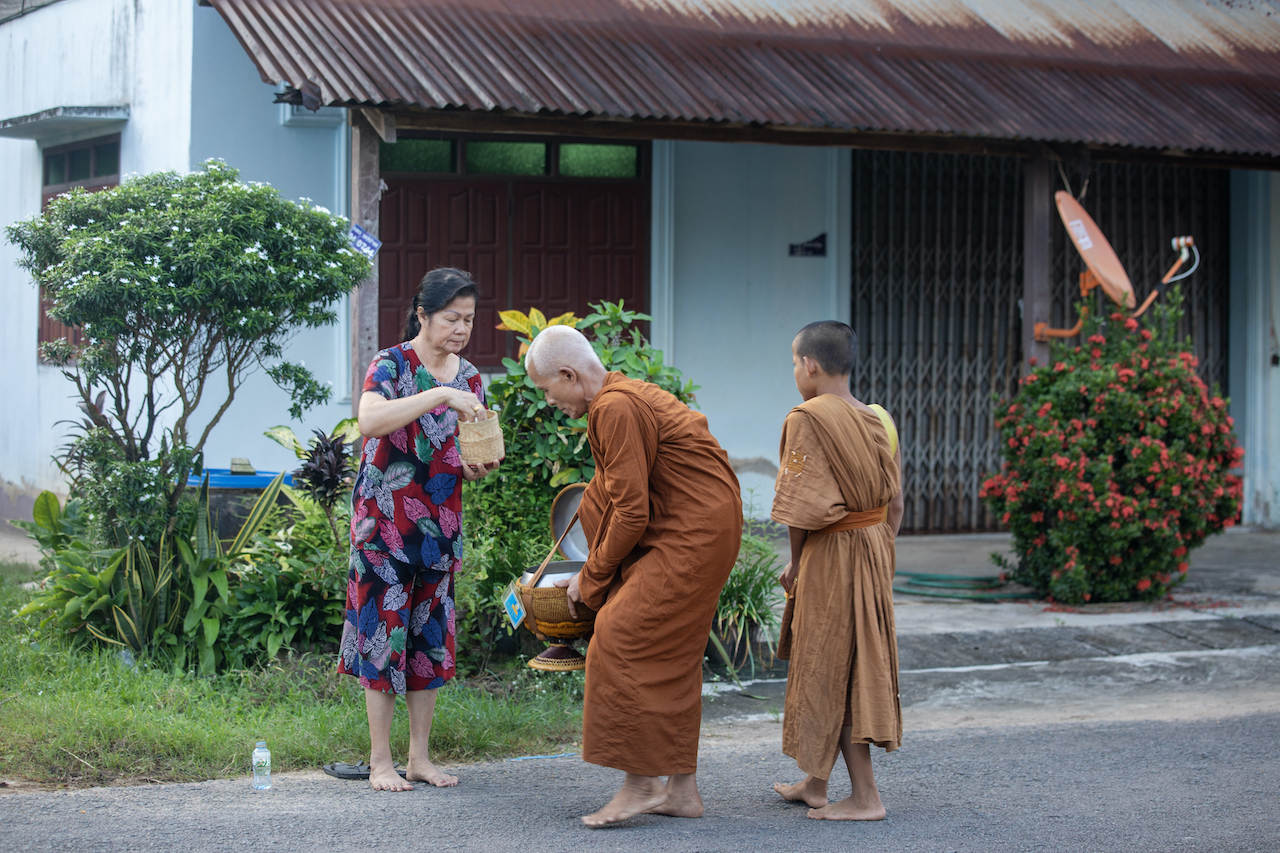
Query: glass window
{"points": [[579, 160], [417, 155], [506, 158], [79, 165], [55, 169], [106, 159]]}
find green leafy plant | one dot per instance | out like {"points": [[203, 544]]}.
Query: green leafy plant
{"points": [[182, 286], [1118, 463], [541, 441], [327, 474], [746, 620], [291, 584], [168, 602]]}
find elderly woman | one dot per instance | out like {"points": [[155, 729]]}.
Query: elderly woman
{"points": [[406, 525]]}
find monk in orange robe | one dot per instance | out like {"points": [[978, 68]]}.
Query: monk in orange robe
{"points": [[838, 493], [663, 517]]}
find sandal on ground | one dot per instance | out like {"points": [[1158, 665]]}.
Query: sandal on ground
{"points": [[343, 770]]}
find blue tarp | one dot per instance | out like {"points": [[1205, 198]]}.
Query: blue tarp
{"points": [[222, 478]]}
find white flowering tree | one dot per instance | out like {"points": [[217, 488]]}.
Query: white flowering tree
{"points": [[182, 285]]}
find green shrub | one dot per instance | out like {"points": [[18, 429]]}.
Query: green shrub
{"points": [[1118, 463], [182, 286]]}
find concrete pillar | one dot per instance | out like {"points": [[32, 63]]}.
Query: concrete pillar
{"points": [[1037, 245], [1252, 376], [366, 195]]}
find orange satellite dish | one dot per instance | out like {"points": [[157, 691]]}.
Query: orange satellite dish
{"points": [[1096, 251], [1105, 269]]}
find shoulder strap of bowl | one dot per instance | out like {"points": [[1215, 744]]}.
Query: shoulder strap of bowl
{"points": [[888, 427]]}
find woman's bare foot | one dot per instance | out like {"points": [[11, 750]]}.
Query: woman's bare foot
{"points": [[383, 777], [638, 794], [422, 770], [812, 791], [849, 809], [683, 799]]}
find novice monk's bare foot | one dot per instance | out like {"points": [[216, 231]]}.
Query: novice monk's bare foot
{"points": [[422, 770], [812, 791], [638, 795], [383, 777], [683, 799], [849, 809]]}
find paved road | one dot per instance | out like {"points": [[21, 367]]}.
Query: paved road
{"points": [[1162, 786], [1141, 730]]}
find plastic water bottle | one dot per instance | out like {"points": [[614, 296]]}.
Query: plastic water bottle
{"points": [[261, 766]]}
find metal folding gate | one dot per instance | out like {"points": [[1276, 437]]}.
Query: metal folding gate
{"points": [[936, 290]]}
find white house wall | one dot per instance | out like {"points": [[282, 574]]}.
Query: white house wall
{"points": [[76, 53], [233, 118], [737, 297]]}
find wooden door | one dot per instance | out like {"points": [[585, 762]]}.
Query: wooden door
{"points": [[578, 243], [430, 223], [552, 245]]}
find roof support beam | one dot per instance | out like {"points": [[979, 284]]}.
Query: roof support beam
{"points": [[366, 197], [1037, 246], [476, 121]]}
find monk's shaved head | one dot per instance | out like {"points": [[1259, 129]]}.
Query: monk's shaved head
{"points": [[562, 346], [833, 345]]}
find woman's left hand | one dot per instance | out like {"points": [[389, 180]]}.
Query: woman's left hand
{"points": [[477, 472]]}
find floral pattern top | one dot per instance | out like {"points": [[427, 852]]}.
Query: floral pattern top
{"points": [[407, 499]]}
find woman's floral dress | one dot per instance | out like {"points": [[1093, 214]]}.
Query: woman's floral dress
{"points": [[406, 537]]}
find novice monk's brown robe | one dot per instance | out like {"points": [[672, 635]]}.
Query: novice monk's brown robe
{"points": [[663, 516], [835, 464]]}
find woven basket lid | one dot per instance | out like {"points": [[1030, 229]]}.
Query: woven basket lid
{"points": [[574, 546]]}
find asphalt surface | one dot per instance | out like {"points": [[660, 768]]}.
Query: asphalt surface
{"points": [[1103, 728]]}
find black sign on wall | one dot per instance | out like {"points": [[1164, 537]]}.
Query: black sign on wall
{"points": [[815, 248]]}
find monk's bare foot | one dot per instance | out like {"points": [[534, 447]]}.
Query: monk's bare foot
{"points": [[638, 795], [812, 791], [683, 799], [383, 777], [422, 770], [849, 809]]}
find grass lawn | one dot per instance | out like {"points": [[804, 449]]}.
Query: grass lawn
{"points": [[87, 717]]}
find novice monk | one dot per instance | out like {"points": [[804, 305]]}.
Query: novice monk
{"points": [[663, 516], [838, 493]]}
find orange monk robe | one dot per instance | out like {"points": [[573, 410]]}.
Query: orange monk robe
{"points": [[663, 516], [835, 460]]}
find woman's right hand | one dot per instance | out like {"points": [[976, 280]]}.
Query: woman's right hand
{"points": [[465, 403]]}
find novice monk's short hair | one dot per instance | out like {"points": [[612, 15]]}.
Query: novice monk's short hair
{"points": [[561, 346], [834, 345]]}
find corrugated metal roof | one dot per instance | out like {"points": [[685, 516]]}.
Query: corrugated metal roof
{"points": [[1186, 74]]}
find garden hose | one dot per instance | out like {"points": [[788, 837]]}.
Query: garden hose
{"points": [[959, 586]]}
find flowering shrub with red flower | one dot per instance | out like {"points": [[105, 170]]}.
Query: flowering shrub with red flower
{"points": [[1118, 463]]}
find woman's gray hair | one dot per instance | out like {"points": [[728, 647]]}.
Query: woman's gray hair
{"points": [[561, 346]]}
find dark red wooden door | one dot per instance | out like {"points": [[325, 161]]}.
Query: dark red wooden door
{"points": [[554, 246], [429, 224], [578, 243]]}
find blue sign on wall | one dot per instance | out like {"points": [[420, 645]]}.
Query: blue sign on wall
{"points": [[364, 242]]}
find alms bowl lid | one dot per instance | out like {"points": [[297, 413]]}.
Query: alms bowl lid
{"points": [[574, 546]]}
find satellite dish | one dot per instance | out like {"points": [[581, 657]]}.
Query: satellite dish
{"points": [[1105, 269], [1096, 251]]}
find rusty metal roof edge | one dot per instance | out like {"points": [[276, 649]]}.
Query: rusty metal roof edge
{"points": [[410, 117]]}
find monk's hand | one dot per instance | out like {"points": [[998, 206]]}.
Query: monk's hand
{"points": [[573, 593], [788, 577]]}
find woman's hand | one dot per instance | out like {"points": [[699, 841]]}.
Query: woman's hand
{"points": [[472, 473], [466, 404], [573, 593], [788, 577]]}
